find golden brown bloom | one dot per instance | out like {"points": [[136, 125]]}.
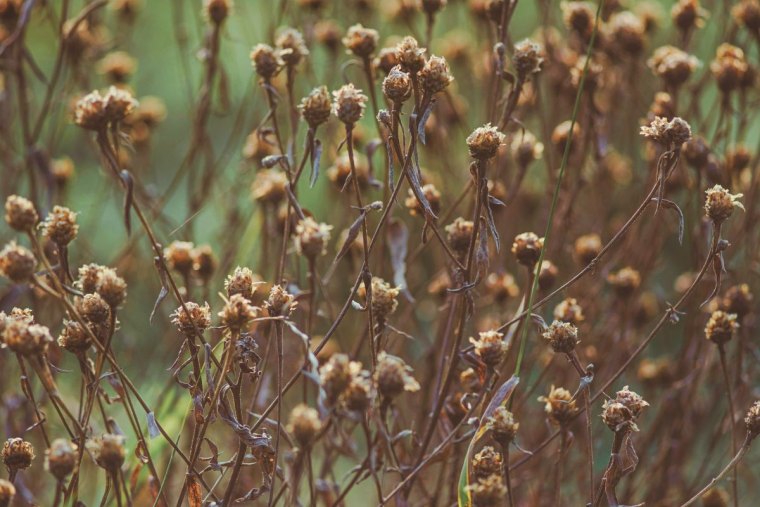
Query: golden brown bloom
{"points": [[625, 281], [587, 247], [217, 11], [360, 41], [668, 133], [17, 454], [117, 66], [397, 85], [488, 492], [17, 263], [386, 59], [622, 411], [432, 195], [747, 13], [720, 203], [61, 458], [107, 451], [490, 347], [393, 376], [24, 337], [291, 46], [20, 213], [60, 226], [561, 135], [458, 235], [527, 58], [7, 493], [688, 15], [349, 103], [237, 312], [304, 424], [503, 426], [242, 281], [487, 462], [721, 326], [752, 419], [95, 111], [527, 248], [111, 287], [501, 286], [335, 376], [435, 75], [738, 300], [559, 405], [204, 262], [74, 337], [311, 237], [569, 311], [270, 185], [410, 55], [730, 68], [579, 17], [484, 142], [316, 107], [280, 301], [179, 257], [562, 337], [526, 149], [196, 316], [266, 62], [93, 308], [673, 65]]}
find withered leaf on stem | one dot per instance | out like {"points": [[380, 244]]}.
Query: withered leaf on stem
{"points": [[397, 235]]}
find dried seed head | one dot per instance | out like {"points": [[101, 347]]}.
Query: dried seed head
{"points": [[569, 311], [562, 337], [341, 170], [397, 85], [7, 493], [61, 458], [501, 286], [487, 462], [721, 326], [730, 68], [95, 111], [216, 11], [559, 405], [673, 65], [435, 75], [488, 492], [386, 59], [527, 248], [361, 41], [304, 424], [688, 15], [747, 13], [587, 247], [458, 235], [720, 203], [470, 380], [737, 300], [671, 133], [316, 107], [335, 376], [24, 337], [111, 287], [60, 226], [547, 276], [393, 376], [270, 186], [107, 451], [410, 55], [358, 394], [20, 213], [311, 238], [632, 401], [490, 347], [384, 297], [484, 142], [503, 426], [17, 454], [327, 32], [349, 104], [737, 159], [431, 7], [752, 420], [291, 46], [74, 337], [527, 58], [237, 312], [696, 152], [280, 301], [579, 17], [17, 263], [655, 371], [196, 316], [266, 62], [242, 281], [119, 104], [627, 32], [204, 262], [615, 415], [179, 257], [526, 149], [93, 308], [561, 135], [88, 276], [625, 281], [432, 195], [117, 66]]}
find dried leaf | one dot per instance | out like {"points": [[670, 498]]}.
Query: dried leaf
{"points": [[153, 430], [423, 121], [163, 292], [316, 156], [398, 236]]}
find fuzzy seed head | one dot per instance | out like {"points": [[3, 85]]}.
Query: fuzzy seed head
{"points": [[361, 41], [671, 133], [74, 337], [95, 111], [488, 492], [503, 426], [487, 462], [587, 247], [569, 311], [579, 17], [490, 347], [266, 62], [384, 297], [93, 308], [237, 312], [411, 56], [61, 458], [673, 65], [721, 326], [117, 66], [304, 424], [87, 279], [559, 405], [358, 394], [348, 104], [737, 300], [216, 11], [730, 68], [280, 301], [270, 186], [562, 337], [526, 149], [432, 195], [747, 14], [624, 282], [311, 238], [179, 257], [484, 142], [688, 15], [335, 376], [20, 213], [196, 316], [291, 46], [615, 415], [547, 275], [458, 235], [502, 286], [527, 58], [26, 338], [17, 263], [316, 107], [527, 248], [242, 281], [435, 75], [111, 287], [60, 226], [386, 59], [393, 376], [17, 454], [720, 203], [107, 451], [204, 262], [397, 85]]}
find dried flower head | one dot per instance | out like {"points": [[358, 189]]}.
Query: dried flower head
{"points": [[410, 55], [7, 493], [384, 297], [627, 32], [111, 287], [721, 326], [562, 337], [561, 135], [349, 104], [752, 420], [237, 312], [266, 62], [88, 275], [673, 65], [737, 300], [216, 11], [280, 301], [107, 451], [484, 142], [435, 75], [587, 247], [20, 213], [386, 59], [361, 41], [720, 203], [17, 454], [393, 376], [458, 235], [316, 107], [179, 257], [291, 46], [729, 67], [526, 149], [579, 17], [688, 15], [671, 133], [335, 376], [527, 58], [487, 462], [17, 263], [242, 281], [490, 347], [204, 262], [339, 173], [397, 85], [621, 412], [488, 492], [430, 7], [502, 286], [503, 426], [559, 405], [117, 66], [625, 281], [527, 248], [311, 237], [61, 458], [60, 226], [74, 337], [304, 424], [432, 195], [93, 308], [270, 186], [196, 317], [569, 311], [26, 338], [747, 14], [358, 394]]}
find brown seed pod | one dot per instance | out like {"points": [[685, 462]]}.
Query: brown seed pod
{"points": [[17, 454], [196, 317], [20, 213], [348, 104], [487, 462], [107, 451], [316, 107], [361, 41], [237, 312], [484, 142], [266, 61], [61, 458], [527, 248], [562, 337], [393, 376], [17, 263], [490, 347], [721, 326], [720, 203], [304, 424]]}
